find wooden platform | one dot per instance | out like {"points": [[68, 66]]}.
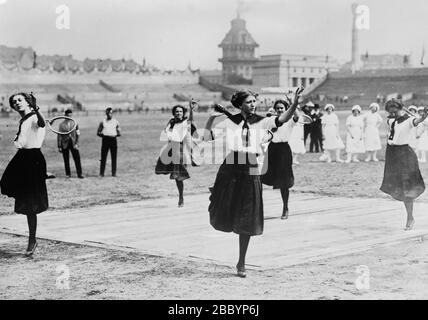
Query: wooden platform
{"points": [[318, 227]]}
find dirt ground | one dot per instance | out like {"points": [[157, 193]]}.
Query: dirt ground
{"points": [[395, 272]]}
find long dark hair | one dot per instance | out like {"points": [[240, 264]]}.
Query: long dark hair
{"points": [[394, 103], [176, 107], [29, 97]]}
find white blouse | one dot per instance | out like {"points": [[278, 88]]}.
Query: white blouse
{"points": [[330, 119], [31, 135], [400, 132], [235, 135], [178, 132], [284, 132], [372, 119]]}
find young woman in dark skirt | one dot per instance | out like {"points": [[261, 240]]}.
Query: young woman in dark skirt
{"points": [[175, 156], [279, 163], [236, 202], [402, 178], [25, 176]]}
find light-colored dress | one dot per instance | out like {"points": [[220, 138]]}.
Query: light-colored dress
{"points": [[332, 139], [371, 133], [296, 142], [422, 141], [413, 140], [354, 136]]}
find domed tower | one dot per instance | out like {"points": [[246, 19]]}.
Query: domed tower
{"points": [[238, 53]]}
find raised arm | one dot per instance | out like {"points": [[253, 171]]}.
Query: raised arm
{"points": [[292, 110], [416, 121], [192, 105], [208, 126], [41, 122]]}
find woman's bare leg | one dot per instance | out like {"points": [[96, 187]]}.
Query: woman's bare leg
{"points": [[32, 228], [348, 157], [327, 156], [244, 240], [369, 156], [409, 208], [285, 194], [180, 187], [338, 158]]}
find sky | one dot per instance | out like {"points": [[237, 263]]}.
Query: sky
{"points": [[170, 33]]}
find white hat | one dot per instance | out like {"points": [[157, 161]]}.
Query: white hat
{"points": [[415, 108], [356, 107], [374, 105], [329, 105], [310, 104], [421, 108]]}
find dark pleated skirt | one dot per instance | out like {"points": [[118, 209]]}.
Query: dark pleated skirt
{"points": [[278, 167], [25, 180], [402, 178], [236, 203], [172, 161]]}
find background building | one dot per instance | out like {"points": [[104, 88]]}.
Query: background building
{"points": [[239, 54], [381, 61], [288, 70]]}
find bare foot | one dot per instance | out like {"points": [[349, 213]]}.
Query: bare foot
{"points": [[409, 225]]}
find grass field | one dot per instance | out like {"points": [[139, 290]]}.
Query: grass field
{"points": [[138, 151]]}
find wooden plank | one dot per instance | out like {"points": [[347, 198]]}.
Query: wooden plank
{"points": [[318, 228]]}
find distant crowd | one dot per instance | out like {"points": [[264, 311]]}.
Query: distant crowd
{"points": [[362, 134]]}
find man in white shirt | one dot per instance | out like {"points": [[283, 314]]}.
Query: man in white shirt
{"points": [[109, 130]]}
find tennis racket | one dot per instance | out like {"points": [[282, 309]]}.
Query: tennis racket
{"points": [[53, 124], [305, 119]]}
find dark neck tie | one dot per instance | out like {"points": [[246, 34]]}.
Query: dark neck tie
{"points": [[21, 122], [392, 132], [245, 133]]}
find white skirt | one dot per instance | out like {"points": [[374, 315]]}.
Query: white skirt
{"points": [[422, 142], [355, 144], [372, 139], [332, 139], [296, 141], [413, 141]]}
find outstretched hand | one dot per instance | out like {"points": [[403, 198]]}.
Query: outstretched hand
{"points": [[193, 104], [297, 95]]}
